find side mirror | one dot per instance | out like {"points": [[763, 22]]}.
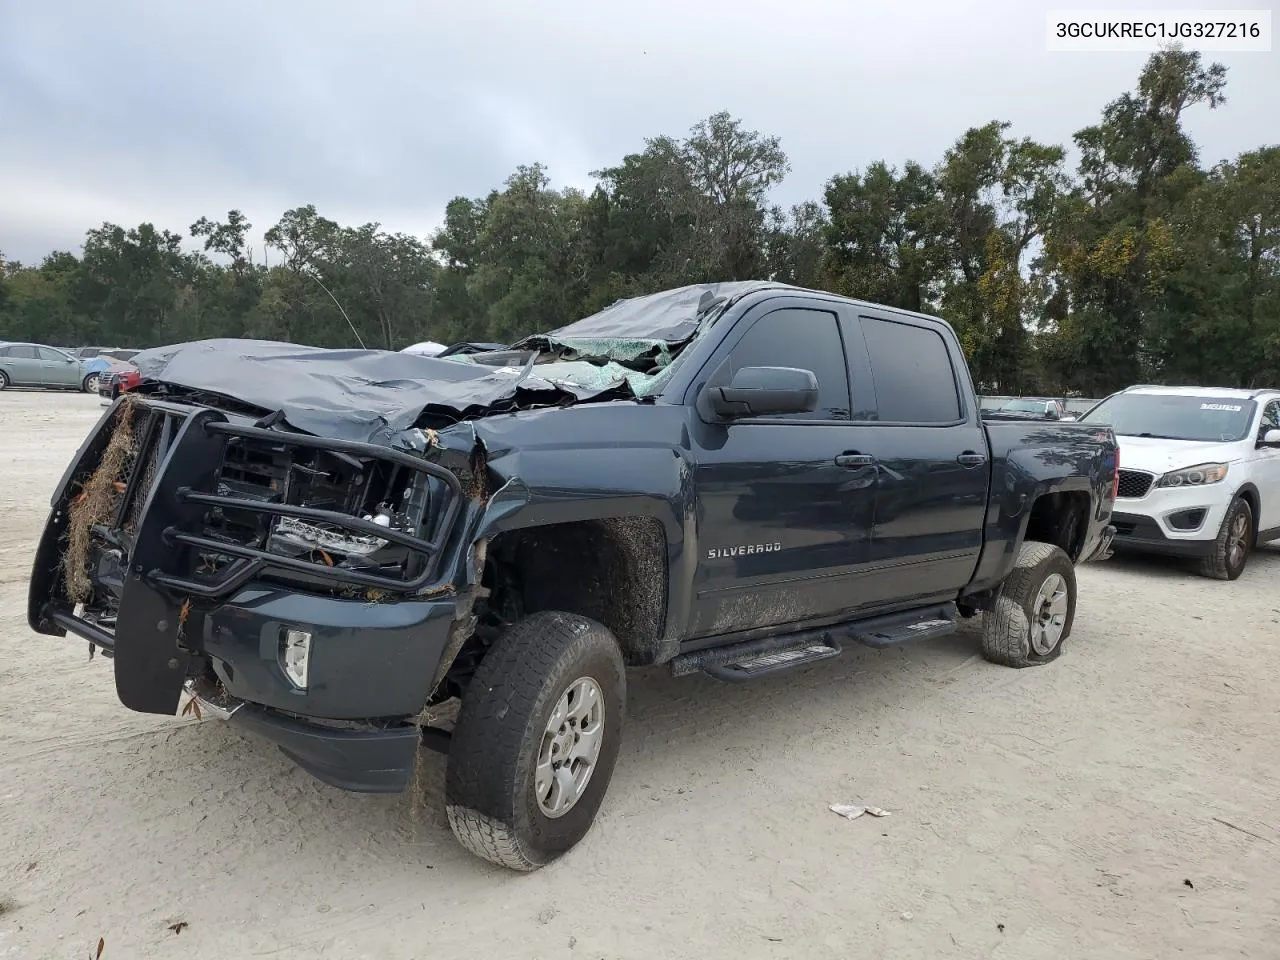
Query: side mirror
{"points": [[1270, 439], [763, 392]]}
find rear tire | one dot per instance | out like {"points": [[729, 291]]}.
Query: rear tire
{"points": [[1233, 544], [1034, 609], [552, 686], [4, 380]]}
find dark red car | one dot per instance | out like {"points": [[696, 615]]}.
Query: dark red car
{"points": [[119, 377]]}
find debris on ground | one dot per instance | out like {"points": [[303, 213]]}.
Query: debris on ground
{"points": [[179, 926], [1248, 833], [193, 708], [853, 813]]}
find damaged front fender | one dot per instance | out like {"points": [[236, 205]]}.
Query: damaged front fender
{"points": [[596, 528]]}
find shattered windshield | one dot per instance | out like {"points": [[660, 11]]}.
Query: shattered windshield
{"points": [[637, 341], [596, 364]]}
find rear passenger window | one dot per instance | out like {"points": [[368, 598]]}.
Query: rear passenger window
{"points": [[806, 340], [23, 352], [912, 373]]}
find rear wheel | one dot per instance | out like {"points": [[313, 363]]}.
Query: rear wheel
{"points": [[536, 740], [1233, 544], [4, 379], [1034, 610]]}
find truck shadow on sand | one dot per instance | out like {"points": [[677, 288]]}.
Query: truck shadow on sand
{"points": [[212, 794]]}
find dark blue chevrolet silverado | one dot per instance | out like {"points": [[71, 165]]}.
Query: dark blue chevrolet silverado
{"points": [[355, 554]]}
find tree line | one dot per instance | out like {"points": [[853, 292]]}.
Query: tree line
{"points": [[1125, 261]]}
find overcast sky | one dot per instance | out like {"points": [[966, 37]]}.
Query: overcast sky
{"points": [[130, 110]]}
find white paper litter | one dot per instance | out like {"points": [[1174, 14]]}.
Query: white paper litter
{"points": [[853, 813]]}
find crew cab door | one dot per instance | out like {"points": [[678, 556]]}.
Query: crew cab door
{"points": [[933, 460], [784, 504]]}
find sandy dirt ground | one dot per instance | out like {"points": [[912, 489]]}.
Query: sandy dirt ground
{"points": [[1121, 803]]}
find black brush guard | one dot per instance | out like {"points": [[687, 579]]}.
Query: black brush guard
{"points": [[181, 457]]}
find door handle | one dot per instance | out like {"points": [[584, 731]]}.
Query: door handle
{"points": [[971, 459], [855, 459]]}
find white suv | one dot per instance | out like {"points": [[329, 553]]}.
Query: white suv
{"points": [[1200, 472]]}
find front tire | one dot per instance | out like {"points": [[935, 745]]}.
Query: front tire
{"points": [[536, 740], [90, 383], [1034, 609], [1233, 544]]}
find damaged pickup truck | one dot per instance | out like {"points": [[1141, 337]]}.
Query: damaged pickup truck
{"points": [[354, 554]]}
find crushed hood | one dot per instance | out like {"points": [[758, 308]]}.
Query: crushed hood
{"points": [[363, 395]]}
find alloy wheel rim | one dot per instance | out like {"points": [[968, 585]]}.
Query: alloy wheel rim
{"points": [[1049, 614], [1237, 539], [570, 748]]}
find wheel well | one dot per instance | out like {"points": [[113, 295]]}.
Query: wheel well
{"points": [[612, 570], [1250, 496], [1061, 519]]}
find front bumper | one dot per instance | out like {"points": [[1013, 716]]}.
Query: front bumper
{"points": [[1140, 534], [376, 760], [373, 657], [370, 670], [1176, 521]]}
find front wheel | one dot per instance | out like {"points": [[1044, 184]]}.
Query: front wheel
{"points": [[536, 740], [1034, 610], [1232, 545], [90, 383]]}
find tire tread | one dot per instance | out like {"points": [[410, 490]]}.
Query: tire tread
{"points": [[489, 738], [1215, 566], [1006, 627]]}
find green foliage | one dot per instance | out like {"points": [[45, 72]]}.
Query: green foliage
{"points": [[1136, 265]]}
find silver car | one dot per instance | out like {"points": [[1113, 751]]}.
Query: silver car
{"points": [[35, 365]]}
